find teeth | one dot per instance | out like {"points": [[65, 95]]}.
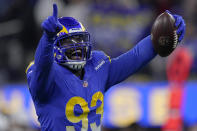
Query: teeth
{"points": [[77, 51]]}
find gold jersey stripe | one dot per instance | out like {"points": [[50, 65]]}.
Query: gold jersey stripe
{"points": [[30, 64], [109, 58]]}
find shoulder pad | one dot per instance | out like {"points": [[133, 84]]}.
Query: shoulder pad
{"points": [[98, 56]]}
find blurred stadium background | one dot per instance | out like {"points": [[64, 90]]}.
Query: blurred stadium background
{"points": [[146, 101]]}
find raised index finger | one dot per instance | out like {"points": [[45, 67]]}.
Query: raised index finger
{"points": [[55, 11]]}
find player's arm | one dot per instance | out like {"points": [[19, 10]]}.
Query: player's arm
{"points": [[44, 52], [131, 61], [38, 75]]}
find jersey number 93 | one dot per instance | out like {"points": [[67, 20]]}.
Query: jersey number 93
{"points": [[84, 106]]}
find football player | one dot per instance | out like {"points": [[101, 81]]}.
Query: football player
{"points": [[67, 80]]}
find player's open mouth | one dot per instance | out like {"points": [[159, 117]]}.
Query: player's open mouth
{"points": [[76, 55]]}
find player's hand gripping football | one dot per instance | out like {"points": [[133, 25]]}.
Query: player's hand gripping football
{"points": [[51, 25], [179, 24]]}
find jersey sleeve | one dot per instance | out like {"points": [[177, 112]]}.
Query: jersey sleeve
{"points": [[38, 72], [128, 63], [44, 54]]}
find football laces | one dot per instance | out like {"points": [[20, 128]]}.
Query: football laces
{"points": [[175, 40]]}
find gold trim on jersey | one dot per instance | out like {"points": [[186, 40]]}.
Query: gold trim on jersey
{"points": [[30, 64]]}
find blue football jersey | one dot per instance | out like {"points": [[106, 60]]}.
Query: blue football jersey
{"points": [[65, 102]]}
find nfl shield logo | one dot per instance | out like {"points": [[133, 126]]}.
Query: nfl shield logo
{"points": [[85, 84]]}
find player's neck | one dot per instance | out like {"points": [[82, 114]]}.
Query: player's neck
{"points": [[78, 73]]}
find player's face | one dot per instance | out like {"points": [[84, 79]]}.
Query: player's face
{"points": [[76, 46]]}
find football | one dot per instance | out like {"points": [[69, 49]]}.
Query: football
{"points": [[163, 34]]}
